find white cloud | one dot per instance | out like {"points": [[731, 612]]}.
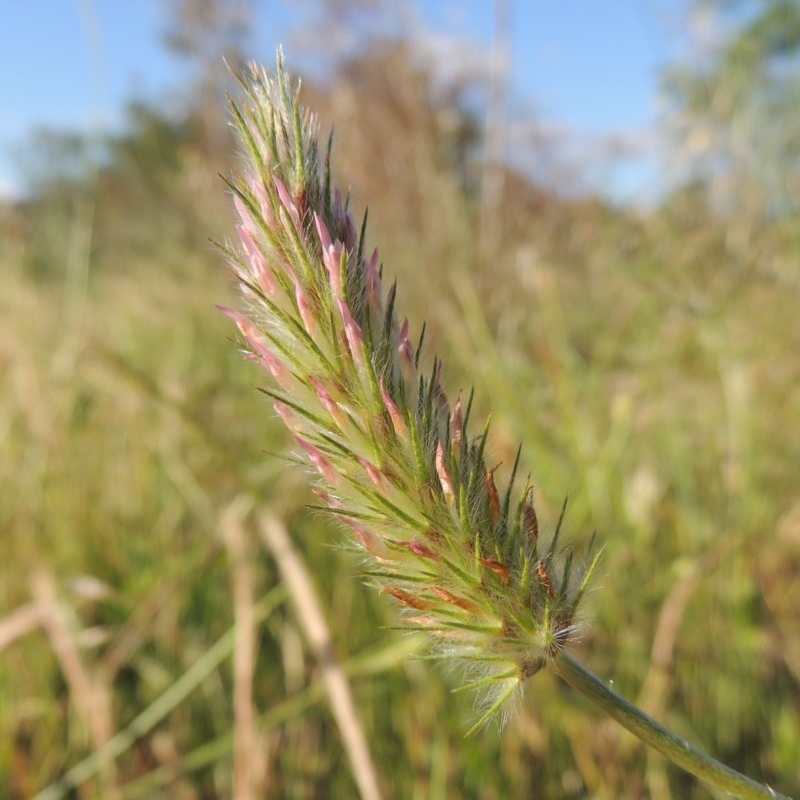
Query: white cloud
{"points": [[452, 60], [8, 190], [624, 165]]}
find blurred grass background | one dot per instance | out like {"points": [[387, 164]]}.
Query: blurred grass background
{"points": [[647, 358]]}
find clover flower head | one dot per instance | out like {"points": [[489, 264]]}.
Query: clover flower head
{"points": [[396, 463]]}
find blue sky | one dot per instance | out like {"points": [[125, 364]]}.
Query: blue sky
{"points": [[587, 69]]}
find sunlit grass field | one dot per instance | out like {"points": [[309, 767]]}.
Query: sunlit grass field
{"points": [[648, 363]]}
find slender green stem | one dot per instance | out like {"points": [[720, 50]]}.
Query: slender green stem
{"points": [[677, 750]]}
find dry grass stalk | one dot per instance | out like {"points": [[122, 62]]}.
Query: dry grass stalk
{"points": [[91, 699], [315, 628], [248, 753]]}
